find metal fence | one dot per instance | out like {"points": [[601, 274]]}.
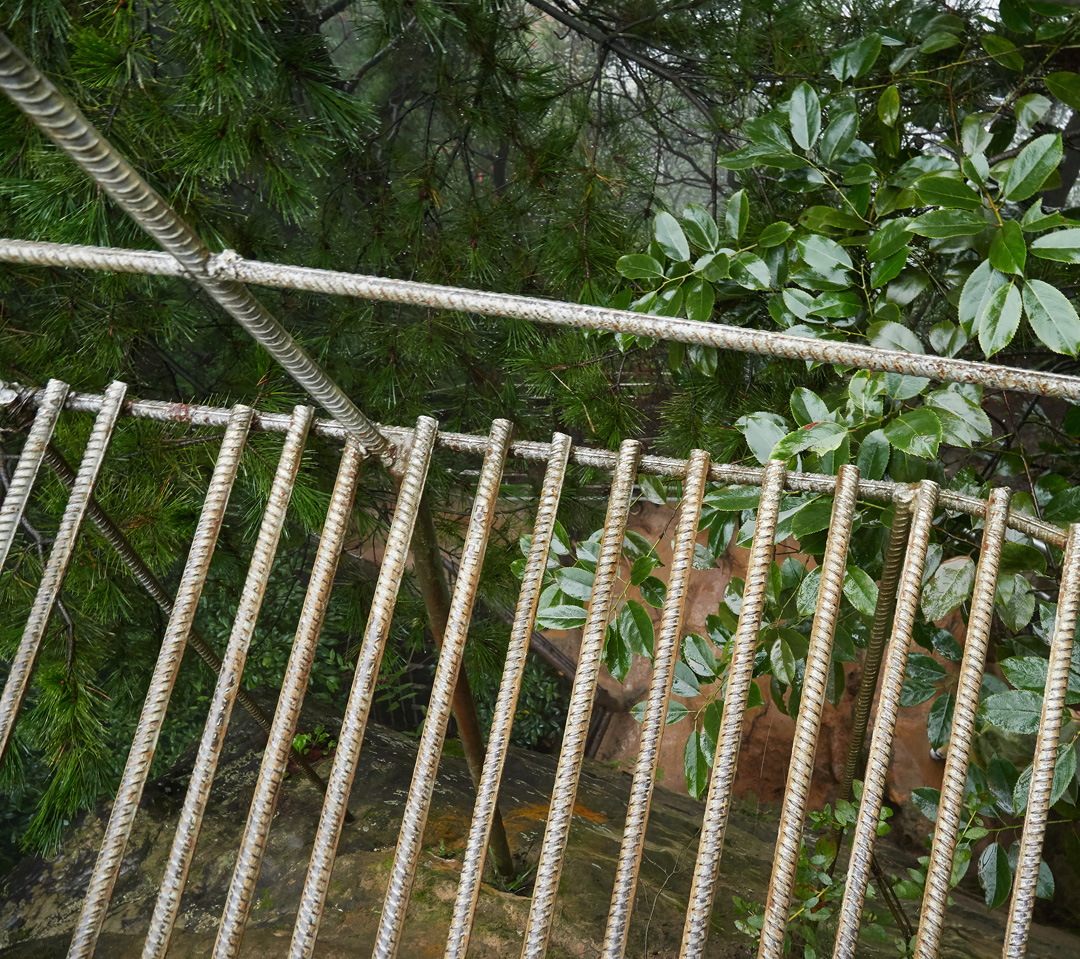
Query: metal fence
{"points": [[408, 452]]}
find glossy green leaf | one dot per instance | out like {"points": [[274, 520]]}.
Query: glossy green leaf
{"points": [[805, 116], [888, 335], [884, 271], [700, 228], [695, 765], [1061, 245], [1066, 87], [1003, 51], [698, 299], [671, 238], [937, 41], [1031, 109], [939, 720], [1035, 219], [812, 518], [636, 627], [891, 237], [860, 590], [735, 498], [775, 234], [917, 432], [684, 682], [1052, 317], [822, 254], [750, 271], [639, 266], [1015, 710], [999, 320], [575, 582], [820, 438], [783, 661], [942, 224], [948, 588], [713, 266], [1031, 168], [561, 617], [947, 191], [1026, 672], [856, 58], [995, 876], [888, 107], [618, 656], [1064, 507], [873, 457], [838, 137], [653, 591], [807, 407], [1008, 251], [947, 339], [698, 654], [737, 215], [977, 293]]}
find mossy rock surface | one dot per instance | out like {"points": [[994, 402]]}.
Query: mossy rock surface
{"points": [[41, 898]]}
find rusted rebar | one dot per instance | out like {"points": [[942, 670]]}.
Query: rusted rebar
{"points": [[722, 781], [568, 771], [217, 720], [666, 653], [888, 704], [52, 577]]}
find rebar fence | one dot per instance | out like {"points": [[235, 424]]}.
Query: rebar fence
{"points": [[408, 453]]}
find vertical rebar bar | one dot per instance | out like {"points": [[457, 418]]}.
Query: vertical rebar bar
{"points": [[1046, 745], [137, 768], [568, 771], [652, 728], [879, 632], [145, 577], [276, 755], [26, 470], [351, 737], [888, 704], [457, 943], [59, 556], [951, 804], [711, 844], [808, 722], [430, 575], [418, 801], [217, 720]]}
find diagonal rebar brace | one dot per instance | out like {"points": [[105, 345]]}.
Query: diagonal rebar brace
{"points": [[27, 87]]}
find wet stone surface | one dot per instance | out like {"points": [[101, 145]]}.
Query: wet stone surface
{"points": [[40, 898]]}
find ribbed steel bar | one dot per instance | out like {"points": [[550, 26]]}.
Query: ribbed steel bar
{"points": [[152, 585], [808, 722], [766, 342], [457, 943], [351, 737], [418, 801], [59, 556], [879, 632], [27, 87], [137, 768], [217, 720], [888, 704], [276, 755], [951, 804], [568, 771], [652, 729], [26, 470], [1026, 879], [875, 491], [744, 648]]}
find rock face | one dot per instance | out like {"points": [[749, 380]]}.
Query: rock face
{"points": [[41, 899]]}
